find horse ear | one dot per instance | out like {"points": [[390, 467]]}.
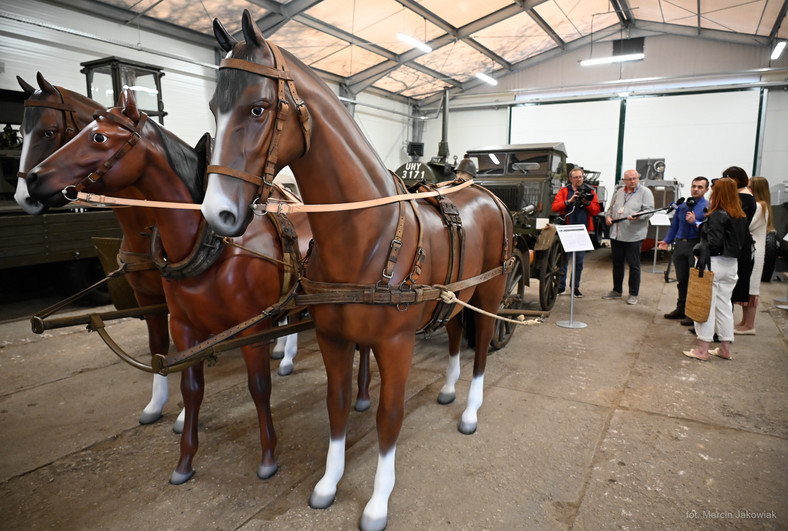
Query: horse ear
{"points": [[45, 85], [226, 41], [129, 104], [29, 90], [252, 33]]}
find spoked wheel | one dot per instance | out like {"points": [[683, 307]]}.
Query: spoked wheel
{"points": [[550, 271], [512, 299]]}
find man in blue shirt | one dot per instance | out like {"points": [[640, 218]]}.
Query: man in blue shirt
{"points": [[683, 234]]}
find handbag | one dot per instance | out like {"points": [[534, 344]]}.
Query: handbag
{"points": [[698, 302]]}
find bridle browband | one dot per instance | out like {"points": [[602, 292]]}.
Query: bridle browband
{"points": [[136, 130], [71, 119], [279, 72]]}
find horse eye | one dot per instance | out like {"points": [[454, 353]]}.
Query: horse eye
{"points": [[257, 112], [49, 134], [99, 137]]}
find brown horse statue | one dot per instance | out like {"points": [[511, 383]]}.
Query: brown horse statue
{"points": [[53, 116], [205, 276], [271, 111]]}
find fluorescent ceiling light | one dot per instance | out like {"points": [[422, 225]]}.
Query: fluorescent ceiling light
{"points": [[486, 78], [414, 42], [778, 50], [613, 59]]}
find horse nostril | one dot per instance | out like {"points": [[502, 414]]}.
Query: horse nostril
{"points": [[228, 218]]}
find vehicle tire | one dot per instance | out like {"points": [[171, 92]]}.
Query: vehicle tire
{"points": [[550, 272], [78, 275], [512, 299]]}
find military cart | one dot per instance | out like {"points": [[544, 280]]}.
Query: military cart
{"points": [[526, 178]]}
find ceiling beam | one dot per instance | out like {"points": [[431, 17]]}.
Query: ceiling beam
{"points": [[366, 78], [624, 12], [546, 27], [123, 16], [779, 21]]}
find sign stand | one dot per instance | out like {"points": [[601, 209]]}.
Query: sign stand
{"points": [[573, 238], [658, 220]]}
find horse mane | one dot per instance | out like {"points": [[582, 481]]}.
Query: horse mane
{"points": [[186, 161]]}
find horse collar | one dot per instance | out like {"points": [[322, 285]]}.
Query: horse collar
{"points": [[279, 72]]}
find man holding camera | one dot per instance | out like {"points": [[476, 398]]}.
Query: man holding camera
{"points": [[684, 234], [577, 203]]}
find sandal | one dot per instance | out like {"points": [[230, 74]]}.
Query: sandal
{"points": [[716, 352], [693, 354]]}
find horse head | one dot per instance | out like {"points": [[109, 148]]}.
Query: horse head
{"points": [[99, 159], [262, 126], [52, 117]]}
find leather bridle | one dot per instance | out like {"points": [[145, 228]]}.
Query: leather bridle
{"points": [[136, 129], [70, 118], [284, 79]]}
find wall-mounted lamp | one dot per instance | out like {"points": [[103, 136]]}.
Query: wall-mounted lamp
{"points": [[487, 79], [407, 39], [613, 59], [778, 50]]}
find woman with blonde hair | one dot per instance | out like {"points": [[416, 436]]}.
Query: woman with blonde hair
{"points": [[761, 224], [722, 236]]}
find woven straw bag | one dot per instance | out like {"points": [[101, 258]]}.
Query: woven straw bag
{"points": [[699, 295]]}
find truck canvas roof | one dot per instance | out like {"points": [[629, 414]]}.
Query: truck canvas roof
{"points": [[557, 146]]}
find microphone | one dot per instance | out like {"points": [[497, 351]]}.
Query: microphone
{"points": [[673, 206]]}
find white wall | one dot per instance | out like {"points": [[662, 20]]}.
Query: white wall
{"points": [[467, 130], [40, 46], [774, 155], [589, 130]]}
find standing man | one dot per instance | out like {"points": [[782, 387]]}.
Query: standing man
{"points": [[578, 204], [683, 234], [627, 235]]}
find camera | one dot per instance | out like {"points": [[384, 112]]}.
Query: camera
{"points": [[586, 193]]}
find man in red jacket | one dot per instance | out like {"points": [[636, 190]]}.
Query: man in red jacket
{"points": [[577, 203]]}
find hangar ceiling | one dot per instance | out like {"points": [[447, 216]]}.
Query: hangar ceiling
{"points": [[354, 42]]}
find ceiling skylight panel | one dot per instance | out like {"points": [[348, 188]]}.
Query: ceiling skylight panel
{"points": [[458, 13], [458, 61], [515, 39]]}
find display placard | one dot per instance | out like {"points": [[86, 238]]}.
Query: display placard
{"points": [[574, 238], [660, 219]]}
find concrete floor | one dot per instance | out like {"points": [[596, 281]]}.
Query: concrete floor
{"points": [[606, 427]]}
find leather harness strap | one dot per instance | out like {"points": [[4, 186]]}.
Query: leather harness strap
{"points": [[132, 262], [279, 72], [70, 117], [107, 165]]}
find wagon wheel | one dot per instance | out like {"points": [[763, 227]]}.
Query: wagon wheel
{"points": [[550, 272], [512, 299]]}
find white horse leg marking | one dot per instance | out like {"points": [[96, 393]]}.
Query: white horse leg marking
{"points": [[326, 489], [475, 397], [290, 351], [159, 395], [178, 426], [279, 348], [447, 394], [375, 515]]}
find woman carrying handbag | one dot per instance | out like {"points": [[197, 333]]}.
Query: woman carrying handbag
{"points": [[722, 236]]}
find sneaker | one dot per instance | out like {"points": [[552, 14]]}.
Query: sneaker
{"points": [[612, 295], [579, 295], [562, 291], [632, 300]]}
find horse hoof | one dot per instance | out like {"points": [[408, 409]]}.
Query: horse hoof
{"points": [[277, 354], [179, 479], [317, 501], [362, 405], [150, 418], [177, 426], [446, 398], [266, 471], [373, 524], [467, 428], [285, 370]]}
